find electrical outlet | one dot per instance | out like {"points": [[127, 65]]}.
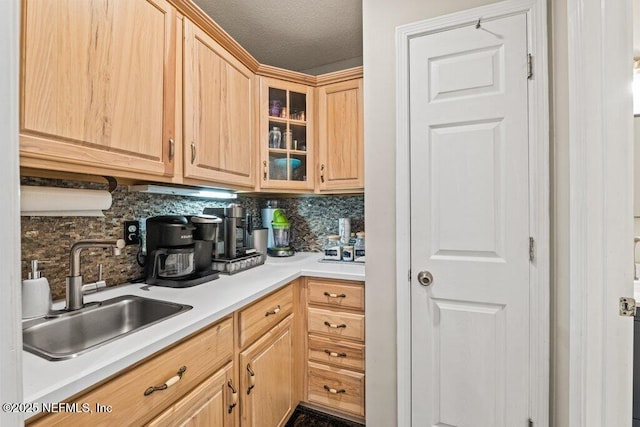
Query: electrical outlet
{"points": [[132, 232]]}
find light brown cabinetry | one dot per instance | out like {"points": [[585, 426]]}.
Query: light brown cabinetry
{"points": [[218, 112], [210, 404], [197, 358], [98, 86], [286, 135], [267, 377], [335, 345], [340, 136]]}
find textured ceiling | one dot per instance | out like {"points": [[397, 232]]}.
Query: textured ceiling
{"points": [[298, 35]]}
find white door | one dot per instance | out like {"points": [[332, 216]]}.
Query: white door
{"points": [[470, 225]]}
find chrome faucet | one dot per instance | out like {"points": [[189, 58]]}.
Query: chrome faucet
{"points": [[74, 294]]}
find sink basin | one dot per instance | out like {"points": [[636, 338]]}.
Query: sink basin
{"points": [[75, 333]]}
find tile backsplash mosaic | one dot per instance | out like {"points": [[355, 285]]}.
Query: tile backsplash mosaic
{"points": [[48, 239]]}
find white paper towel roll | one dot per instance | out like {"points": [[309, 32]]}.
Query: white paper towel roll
{"points": [[54, 201]]}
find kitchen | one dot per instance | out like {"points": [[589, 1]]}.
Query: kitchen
{"points": [[213, 86], [380, 20]]}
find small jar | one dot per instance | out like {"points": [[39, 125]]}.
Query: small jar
{"points": [[332, 249], [347, 253], [358, 248]]}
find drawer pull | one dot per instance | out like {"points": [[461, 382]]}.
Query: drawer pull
{"points": [[334, 354], [252, 378], [334, 326], [274, 311], [171, 381], [234, 396], [327, 294], [333, 390]]}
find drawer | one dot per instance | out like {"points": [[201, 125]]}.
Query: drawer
{"points": [[336, 352], [201, 354], [336, 388], [261, 316], [336, 323], [336, 294]]}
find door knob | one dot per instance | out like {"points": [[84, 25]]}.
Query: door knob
{"points": [[425, 278]]}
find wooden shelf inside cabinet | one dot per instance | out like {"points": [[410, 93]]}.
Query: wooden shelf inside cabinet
{"points": [[286, 135]]}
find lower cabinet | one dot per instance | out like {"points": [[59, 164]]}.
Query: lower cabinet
{"points": [[211, 404], [267, 376], [335, 345], [302, 343]]}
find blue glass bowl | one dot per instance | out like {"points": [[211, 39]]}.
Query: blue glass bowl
{"points": [[282, 163]]}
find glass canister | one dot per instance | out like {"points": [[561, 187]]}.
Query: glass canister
{"points": [[332, 250], [358, 248], [275, 137], [347, 253]]}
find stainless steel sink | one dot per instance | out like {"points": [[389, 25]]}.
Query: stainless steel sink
{"points": [[77, 332]]}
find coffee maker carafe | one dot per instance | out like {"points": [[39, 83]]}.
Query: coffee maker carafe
{"points": [[179, 251]]}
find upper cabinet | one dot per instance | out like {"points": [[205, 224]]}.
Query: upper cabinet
{"points": [[340, 136], [218, 112], [98, 86], [286, 160]]}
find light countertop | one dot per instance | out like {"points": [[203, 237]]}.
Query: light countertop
{"points": [[47, 381]]}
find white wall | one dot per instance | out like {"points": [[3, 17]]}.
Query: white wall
{"points": [[380, 18], [10, 308]]}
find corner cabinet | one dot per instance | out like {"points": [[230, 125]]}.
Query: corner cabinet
{"points": [[98, 86], [340, 136], [286, 160], [218, 112]]}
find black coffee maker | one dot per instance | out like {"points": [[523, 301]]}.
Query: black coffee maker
{"points": [[179, 250]]}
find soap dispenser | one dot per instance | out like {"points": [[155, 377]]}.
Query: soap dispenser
{"points": [[36, 294]]}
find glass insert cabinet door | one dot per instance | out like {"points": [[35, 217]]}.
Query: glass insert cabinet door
{"points": [[286, 135]]}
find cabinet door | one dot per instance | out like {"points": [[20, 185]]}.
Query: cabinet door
{"points": [[211, 404], [266, 378], [340, 136], [218, 110], [286, 136], [98, 86]]}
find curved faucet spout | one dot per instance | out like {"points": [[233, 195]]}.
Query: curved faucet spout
{"points": [[74, 295]]}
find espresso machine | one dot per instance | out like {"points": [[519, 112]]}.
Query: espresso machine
{"points": [[180, 249], [232, 252]]}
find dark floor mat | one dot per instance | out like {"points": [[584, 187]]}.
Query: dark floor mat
{"points": [[307, 417]]}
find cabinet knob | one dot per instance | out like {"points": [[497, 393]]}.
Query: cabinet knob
{"points": [[334, 354], [234, 396], [334, 391], [171, 381], [172, 149], [252, 378], [334, 326], [276, 310], [330, 295]]}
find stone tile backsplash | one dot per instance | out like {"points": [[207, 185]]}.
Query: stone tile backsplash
{"points": [[48, 239]]}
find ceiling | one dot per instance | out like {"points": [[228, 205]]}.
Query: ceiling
{"points": [[315, 37]]}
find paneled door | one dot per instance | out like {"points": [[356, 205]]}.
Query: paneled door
{"points": [[470, 225]]}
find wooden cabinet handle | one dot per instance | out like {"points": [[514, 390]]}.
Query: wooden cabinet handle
{"points": [[171, 381], [172, 149], [252, 378], [272, 312], [330, 295], [334, 354], [193, 152], [234, 396], [334, 391], [264, 170], [322, 173], [334, 326]]}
